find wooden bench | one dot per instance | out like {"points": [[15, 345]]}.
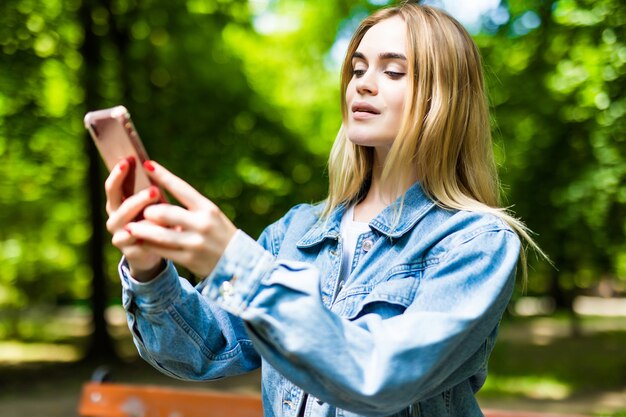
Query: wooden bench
{"points": [[125, 400], [503, 413], [101, 398]]}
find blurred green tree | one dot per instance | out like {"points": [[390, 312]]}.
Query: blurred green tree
{"points": [[173, 67], [241, 99], [557, 77], [43, 214]]}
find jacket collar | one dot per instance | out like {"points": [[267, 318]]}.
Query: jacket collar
{"points": [[416, 205]]}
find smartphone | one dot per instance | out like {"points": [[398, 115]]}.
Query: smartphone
{"points": [[116, 138]]}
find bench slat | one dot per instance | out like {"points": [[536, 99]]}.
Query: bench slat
{"points": [[502, 413], [120, 400], [125, 400]]}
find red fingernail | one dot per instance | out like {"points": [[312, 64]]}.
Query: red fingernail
{"points": [[128, 230], [123, 165], [154, 192], [148, 165]]}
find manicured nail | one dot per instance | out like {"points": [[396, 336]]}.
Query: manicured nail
{"points": [[148, 165], [154, 192], [123, 165], [128, 230]]}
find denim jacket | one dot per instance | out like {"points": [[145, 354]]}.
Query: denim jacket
{"points": [[407, 333]]}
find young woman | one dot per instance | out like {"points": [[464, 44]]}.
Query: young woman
{"points": [[383, 300]]}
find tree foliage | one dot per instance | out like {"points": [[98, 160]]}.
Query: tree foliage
{"points": [[241, 99], [558, 94], [42, 199]]}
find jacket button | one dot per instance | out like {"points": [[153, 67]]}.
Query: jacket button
{"points": [[227, 290], [367, 245]]}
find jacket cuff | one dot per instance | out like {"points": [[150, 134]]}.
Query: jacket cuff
{"points": [[152, 296], [236, 278]]}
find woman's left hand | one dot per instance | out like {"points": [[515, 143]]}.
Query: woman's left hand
{"points": [[194, 236]]}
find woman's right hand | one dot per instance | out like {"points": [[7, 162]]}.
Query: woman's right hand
{"points": [[143, 265]]}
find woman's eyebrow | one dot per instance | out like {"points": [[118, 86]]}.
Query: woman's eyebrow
{"points": [[382, 56]]}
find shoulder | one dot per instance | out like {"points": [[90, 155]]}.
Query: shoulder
{"points": [[303, 213], [296, 222], [475, 230], [470, 224], [476, 247]]}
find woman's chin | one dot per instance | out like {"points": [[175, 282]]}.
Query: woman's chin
{"points": [[369, 140]]}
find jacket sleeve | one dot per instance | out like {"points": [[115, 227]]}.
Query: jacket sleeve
{"points": [[183, 333], [371, 366]]}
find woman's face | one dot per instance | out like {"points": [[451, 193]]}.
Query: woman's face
{"points": [[375, 94]]}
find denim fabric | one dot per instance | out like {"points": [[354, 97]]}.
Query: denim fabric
{"points": [[407, 333]]}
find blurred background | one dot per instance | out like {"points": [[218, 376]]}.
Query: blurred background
{"points": [[241, 99]]}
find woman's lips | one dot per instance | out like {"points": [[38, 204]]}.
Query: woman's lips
{"points": [[363, 111], [363, 115]]}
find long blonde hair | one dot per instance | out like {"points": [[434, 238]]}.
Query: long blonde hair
{"points": [[445, 134]]}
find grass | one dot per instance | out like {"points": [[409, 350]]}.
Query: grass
{"points": [[538, 361], [537, 365]]}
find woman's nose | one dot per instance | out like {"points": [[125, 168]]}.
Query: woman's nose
{"points": [[366, 84]]}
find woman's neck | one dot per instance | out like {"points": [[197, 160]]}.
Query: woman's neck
{"points": [[379, 195], [372, 204]]}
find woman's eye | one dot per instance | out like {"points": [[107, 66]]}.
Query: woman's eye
{"points": [[358, 72], [395, 74]]}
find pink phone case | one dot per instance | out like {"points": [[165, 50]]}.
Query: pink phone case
{"points": [[116, 138]]}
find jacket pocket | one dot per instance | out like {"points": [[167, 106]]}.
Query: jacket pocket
{"points": [[387, 299]]}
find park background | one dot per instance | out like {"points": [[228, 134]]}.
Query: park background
{"points": [[241, 99]]}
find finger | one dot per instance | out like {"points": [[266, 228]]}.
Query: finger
{"points": [[123, 238], [180, 189], [165, 237], [113, 184], [179, 256], [201, 267], [131, 208], [170, 216]]}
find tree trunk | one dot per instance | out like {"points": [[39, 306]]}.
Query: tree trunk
{"points": [[564, 300], [101, 346]]}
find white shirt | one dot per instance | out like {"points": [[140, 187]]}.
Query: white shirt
{"points": [[350, 231]]}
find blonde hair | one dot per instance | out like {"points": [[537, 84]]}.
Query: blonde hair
{"points": [[445, 135]]}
